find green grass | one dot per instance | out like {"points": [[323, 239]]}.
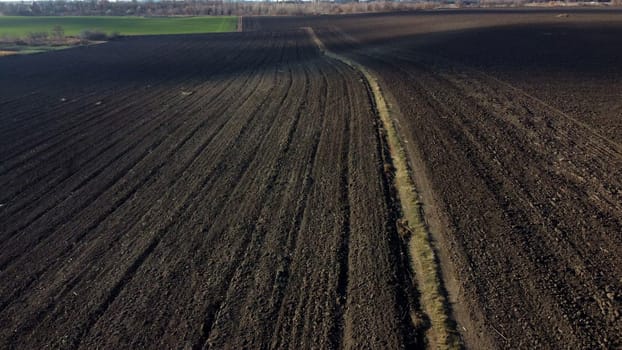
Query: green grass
{"points": [[15, 26]]}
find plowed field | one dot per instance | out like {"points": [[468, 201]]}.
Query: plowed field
{"points": [[222, 191], [239, 190], [512, 123]]}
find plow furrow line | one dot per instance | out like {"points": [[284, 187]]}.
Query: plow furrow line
{"points": [[188, 201], [197, 152]]}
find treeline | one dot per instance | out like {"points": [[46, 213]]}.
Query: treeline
{"points": [[199, 8], [105, 8], [240, 8]]}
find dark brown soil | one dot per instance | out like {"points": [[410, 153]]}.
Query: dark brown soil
{"points": [[218, 191], [229, 190], [513, 119]]}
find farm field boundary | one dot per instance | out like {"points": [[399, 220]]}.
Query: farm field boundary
{"points": [[412, 225]]}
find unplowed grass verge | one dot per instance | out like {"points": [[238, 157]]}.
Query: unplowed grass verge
{"points": [[411, 226]]}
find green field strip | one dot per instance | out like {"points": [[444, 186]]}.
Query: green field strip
{"points": [[19, 26]]}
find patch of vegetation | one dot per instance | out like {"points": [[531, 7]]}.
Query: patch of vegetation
{"points": [[20, 35], [18, 26], [96, 35]]}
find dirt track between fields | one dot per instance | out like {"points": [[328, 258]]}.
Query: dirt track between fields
{"points": [[519, 164]]}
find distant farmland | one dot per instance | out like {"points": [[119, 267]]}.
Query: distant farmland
{"points": [[22, 26]]}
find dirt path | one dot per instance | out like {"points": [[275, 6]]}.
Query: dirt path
{"points": [[412, 223]]}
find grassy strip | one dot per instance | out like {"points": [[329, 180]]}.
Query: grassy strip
{"points": [[441, 334], [26, 35], [26, 50], [17, 26]]}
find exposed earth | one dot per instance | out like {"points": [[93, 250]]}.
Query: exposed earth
{"points": [[235, 190]]}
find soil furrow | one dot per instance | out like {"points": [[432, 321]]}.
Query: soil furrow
{"points": [[85, 180], [343, 250], [181, 171], [204, 185]]}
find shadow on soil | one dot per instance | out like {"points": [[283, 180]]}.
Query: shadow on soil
{"points": [[585, 44]]}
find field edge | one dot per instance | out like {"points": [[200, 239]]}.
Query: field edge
{"points": [[411, 224]]}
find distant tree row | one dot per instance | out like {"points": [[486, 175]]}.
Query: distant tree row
{"points": [[103, 8], [233, 8], [194, 8]]}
